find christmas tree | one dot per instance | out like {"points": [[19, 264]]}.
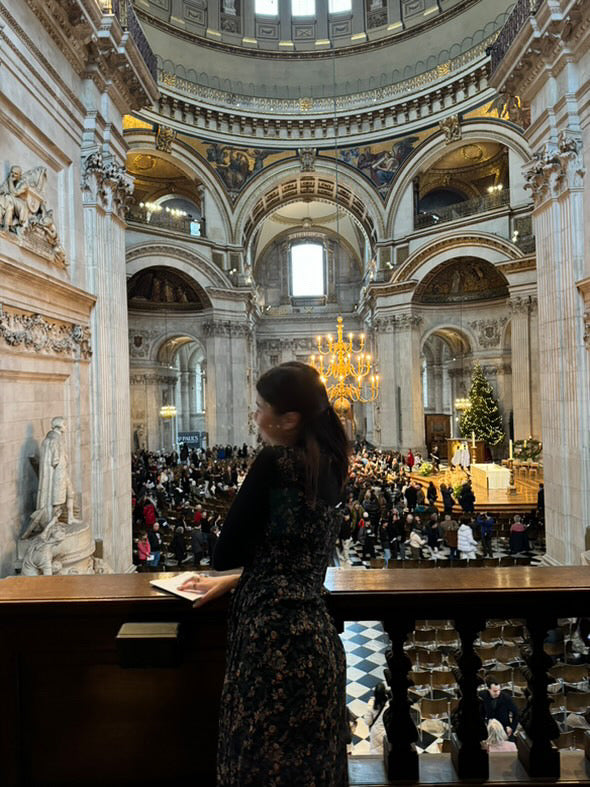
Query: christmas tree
{"points": [[483, 416]]}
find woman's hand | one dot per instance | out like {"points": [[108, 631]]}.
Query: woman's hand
{"points": [[210, 587]]}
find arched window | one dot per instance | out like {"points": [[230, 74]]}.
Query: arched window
{"points": [[308, 278], [302, 7], [266, 7]]}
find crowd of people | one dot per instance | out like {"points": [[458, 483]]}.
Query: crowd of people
{"points": [[180, 499]]}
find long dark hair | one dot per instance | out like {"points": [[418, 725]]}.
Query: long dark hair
{"points": [[297, 387]]}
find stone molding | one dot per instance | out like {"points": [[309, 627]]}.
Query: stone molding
{"points": [[555, 168], [35, 333], [25, 216], [227, 328], [97, 48], [421, 255], [152, 379], [584, 288], [106, 183], [489, 332], [305, 344], [392, 323], [359, 117]]}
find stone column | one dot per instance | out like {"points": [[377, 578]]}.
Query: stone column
{"points": [[402, 411], [555, 177], [185, 402], [521, 308], [192, 401], [106, 189]]}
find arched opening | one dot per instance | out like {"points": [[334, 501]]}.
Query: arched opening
{"points": [[168, 362]]}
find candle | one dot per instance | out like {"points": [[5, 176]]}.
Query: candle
{"points": [[510, 449], [473, 439], [524, 446]]}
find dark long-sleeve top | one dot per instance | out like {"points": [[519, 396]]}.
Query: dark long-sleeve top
{"points": [[244, 524]]}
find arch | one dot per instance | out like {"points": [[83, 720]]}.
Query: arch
{"points": [[287, 183], [204, 272], [444, 331], [426, 154], [187, 160], [488, 247]]}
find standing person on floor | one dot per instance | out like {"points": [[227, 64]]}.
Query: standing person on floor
{"points": [[465, 541], [446, 492], [450, 528], [283, 710], [486, 528]]}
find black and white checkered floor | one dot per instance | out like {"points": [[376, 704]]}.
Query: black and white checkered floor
{"points": [[365, 644]]}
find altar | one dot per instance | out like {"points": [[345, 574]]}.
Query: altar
{"points": [[490, 476]]}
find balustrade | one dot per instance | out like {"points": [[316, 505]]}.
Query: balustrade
{"points": [[123, 10], [166, 220], [461, 209], [522, 11], [59, 660]]}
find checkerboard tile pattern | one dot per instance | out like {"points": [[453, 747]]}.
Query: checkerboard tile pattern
{"points": [[365, 644]]}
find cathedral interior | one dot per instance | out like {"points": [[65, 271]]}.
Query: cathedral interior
{"points": [[194, 191]]}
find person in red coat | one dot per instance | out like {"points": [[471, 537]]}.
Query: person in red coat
{"points": [[410, 460], [149, 513]]}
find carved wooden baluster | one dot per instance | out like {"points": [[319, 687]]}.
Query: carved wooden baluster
{"points": [[469, 759], [535, 750], [399, 750]]}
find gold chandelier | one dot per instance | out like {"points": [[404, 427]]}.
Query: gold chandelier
{"points": [[345, 371], [462, 403], [168, 411]]}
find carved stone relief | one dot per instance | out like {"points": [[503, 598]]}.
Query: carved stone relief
{"points": [[451, 128], [106, 183], [165, 136], [35, 333], [555, 168], [307, 158], [140, 342], [226, 328], [396, 322], [24, 214], [489, 332]]}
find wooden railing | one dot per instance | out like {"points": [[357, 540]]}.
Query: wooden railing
{"points": [[83, 707]]}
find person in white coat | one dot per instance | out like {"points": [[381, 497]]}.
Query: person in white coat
{"points": [[466, 543]]}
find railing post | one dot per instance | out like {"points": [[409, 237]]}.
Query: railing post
{"points": [[468, 756], [535, 749], [399, 749]]}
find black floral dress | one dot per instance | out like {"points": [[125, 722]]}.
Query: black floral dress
{"points": [[283, 713]]}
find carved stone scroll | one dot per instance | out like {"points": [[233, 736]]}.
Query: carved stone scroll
{"points": [[34, 332]]}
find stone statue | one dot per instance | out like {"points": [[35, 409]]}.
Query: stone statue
{"points": [[40, 555], [55, 489], [13, 205], [139, 438]]}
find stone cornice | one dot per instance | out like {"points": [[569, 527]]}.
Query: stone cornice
{"points": [[97, 48], [405, 107], [528, 263], [392, 323]]}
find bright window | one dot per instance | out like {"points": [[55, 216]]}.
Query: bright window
{"points": [[302, 7], [307, 270], [339, 6], [266, 7]]}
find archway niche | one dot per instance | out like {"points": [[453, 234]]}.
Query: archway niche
{"points": [[168, 361]]}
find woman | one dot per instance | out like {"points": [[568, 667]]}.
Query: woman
{"points": [[283, 710], [178, 546], [373, 718], [447, 498], [143, 550], [497, 739], [465, 541], [431, 494]]}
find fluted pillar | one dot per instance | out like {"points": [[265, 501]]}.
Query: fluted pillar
{"points": [[185, 402], [523, 312], [106, 188], [555, 177]]}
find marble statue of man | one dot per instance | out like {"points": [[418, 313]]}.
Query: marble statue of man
{"points": [[40, 555], [55, 489], [12, 206]]}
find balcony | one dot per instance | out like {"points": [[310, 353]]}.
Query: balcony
{"points": [[62, 663], [522, 11], [460, 210], [123, 10], [167, 221]]}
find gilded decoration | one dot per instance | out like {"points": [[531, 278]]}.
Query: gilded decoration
{"points": [[25, 216], [35, 333], [463, 279]]}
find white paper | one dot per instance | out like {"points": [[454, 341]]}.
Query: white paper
{"points": [[171, 584]]}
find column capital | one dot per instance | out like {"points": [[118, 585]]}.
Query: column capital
{"points": [[555, 168]]}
